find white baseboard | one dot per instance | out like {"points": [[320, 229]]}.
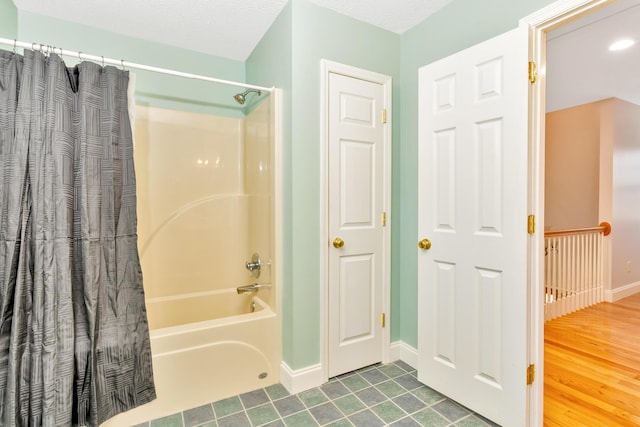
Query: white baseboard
{"points": [[613, 295], [313, 376], [399, 350], [301, 379]]}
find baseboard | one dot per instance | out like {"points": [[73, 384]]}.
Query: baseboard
{"points": [[301, 379], [400, 350], [613, 295]]}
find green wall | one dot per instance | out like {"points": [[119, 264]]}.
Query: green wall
{"points": [[460, 24], [151, 88], [317, 33], [8, 21], [289, 57], [270, 65], [320, 33]]}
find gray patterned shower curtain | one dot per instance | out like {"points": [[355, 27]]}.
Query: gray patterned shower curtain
{"points": [[74, 339]]}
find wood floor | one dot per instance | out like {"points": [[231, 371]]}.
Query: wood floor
{"points": [[592, 366]]}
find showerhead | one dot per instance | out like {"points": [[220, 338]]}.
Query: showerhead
{"points": [[240, 97]]}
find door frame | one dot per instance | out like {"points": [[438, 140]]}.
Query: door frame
{"points": [[328, 67], [539, 23]]}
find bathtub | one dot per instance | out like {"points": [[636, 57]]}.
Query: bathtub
{"points": [[207, 346]]}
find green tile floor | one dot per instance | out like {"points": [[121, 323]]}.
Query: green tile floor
{"points": [[378, 395]]}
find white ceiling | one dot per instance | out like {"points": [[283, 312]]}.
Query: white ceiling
{"points": [[580, 68], [226, 28]]}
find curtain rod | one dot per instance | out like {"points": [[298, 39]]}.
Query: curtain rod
{"points": [[124, 64]]}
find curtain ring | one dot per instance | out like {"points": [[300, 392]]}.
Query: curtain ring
{"points": [[15, 43], [103, 61], [80, 56], [122, 63], [33, 46]]}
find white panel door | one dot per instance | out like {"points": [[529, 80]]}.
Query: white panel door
{"points": [[356, 181], [472, 291]]}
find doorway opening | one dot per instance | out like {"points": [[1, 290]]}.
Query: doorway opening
{"points": [[568, 25]]}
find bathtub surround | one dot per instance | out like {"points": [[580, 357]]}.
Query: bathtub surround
{"points": [[74, 340], [205, 199], [206, 204]]}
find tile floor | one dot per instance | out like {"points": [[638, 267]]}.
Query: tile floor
{"points": [[378, 395]]}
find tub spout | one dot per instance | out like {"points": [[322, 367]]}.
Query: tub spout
{"points": [[251, 288]]}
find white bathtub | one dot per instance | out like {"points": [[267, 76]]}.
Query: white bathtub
{"points": [[206, 347]]}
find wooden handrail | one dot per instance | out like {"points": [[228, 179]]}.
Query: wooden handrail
{"points": [[605, 227]]}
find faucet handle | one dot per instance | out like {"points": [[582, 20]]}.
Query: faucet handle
{"points": [[255, 265]]}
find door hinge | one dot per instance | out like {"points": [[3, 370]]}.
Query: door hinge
{"points": [[383, 219], [383, 320], [384, 116], [533, 72], [531, 374], [531, 224]]}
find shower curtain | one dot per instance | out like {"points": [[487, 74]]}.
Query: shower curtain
{"points": [[74, 340]]}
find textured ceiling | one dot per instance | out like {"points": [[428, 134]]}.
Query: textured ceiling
{"points": [[226, 28], [580, 68], [397, 16]]}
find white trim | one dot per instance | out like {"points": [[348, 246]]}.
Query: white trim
{"points": [[314, 376], [400, 350], [616, 294], [539, 23], [301, 379], [276, 136], [559, 13], [327, 67]]}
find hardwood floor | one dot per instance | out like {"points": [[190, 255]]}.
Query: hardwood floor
{"points": [[592, 366]]}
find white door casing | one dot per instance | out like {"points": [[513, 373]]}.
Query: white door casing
{"points": [[472, 291], [357, 196], [540, 22]]}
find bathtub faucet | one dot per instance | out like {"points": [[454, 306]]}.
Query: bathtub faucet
{"points": [[251, 288]]}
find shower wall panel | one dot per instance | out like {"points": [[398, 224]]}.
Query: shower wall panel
{"points": [[192, 208], [257, 184]]}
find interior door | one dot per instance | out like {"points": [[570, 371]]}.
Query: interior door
{"points": [[356, 181], [473, 214]]}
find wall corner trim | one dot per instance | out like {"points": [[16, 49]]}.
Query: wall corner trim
{"points": [[400, 350], [303, 379]]}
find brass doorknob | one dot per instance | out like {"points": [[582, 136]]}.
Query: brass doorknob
{"points": [[424, 244], [338, 243]]}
